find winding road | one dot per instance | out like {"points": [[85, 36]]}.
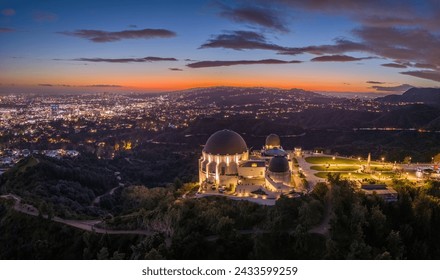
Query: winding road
{"points": [[87, 225]]}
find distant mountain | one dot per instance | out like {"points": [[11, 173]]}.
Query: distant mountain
{"points": [[429, 96], [246, 95]]}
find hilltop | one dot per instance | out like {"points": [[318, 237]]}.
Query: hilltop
{"points": [[429, 96]]}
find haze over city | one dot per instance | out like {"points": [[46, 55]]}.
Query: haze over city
{"points": [[148, 46]]}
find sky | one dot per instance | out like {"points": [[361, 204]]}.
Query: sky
{"points": [[383, 46]]}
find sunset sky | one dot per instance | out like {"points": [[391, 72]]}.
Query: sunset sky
{"points": [[156, 45]]}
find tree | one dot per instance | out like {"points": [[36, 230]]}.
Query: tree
{"points": [[103, 254], [320, 190], [436, 158], [407, 160], [395, 245]]}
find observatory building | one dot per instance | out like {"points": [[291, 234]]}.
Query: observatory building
{"points": [[227, 166]]}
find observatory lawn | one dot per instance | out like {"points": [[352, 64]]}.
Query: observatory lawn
{"points": [[348, 168], [335, 168], [355, 176], [330, 160]]}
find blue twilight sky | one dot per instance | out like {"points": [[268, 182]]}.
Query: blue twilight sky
{"points": [[334, 45]]}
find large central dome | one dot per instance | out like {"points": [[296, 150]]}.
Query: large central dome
{"points": [[225, 142]]}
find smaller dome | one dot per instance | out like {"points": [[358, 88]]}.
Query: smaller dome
{"points": [[273, 140], [279, 164]]}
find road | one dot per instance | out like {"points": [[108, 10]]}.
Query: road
{"points": [[87, 225]]}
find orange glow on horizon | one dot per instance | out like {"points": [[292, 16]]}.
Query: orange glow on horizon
{"points": [[186, 81]]}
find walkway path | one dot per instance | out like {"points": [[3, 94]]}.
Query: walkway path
{"points": [[324, 227]]}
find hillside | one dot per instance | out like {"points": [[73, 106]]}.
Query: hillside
{"points": [[414, 95], [412, 116], [65, 186]]}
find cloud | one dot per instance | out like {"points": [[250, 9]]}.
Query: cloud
{"points": [[132, 26], [125, 60], [338, 58], [264, 17], [375, 82], [42, 16], [64, 85], [406, 32], [8, 12], [429, 75], [399, 88], [175, 69], [100, 36], [6, 30], [104, 86], [219, 63], [241, 40], [394, 65], [375, 12]]}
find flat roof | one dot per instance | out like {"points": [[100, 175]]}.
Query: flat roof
{"points": [[253, 163]]}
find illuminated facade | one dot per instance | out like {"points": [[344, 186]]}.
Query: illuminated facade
{"points": [[226, 163]]}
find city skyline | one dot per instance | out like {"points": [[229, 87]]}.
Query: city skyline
{"points": [[334, 46]]}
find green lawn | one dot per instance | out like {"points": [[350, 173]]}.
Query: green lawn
{"points": [[381, 168], [329, 160], [335, 168]]}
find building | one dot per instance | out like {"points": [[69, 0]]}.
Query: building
{"points": [[224, 151], [227, 165], [387, 193]]}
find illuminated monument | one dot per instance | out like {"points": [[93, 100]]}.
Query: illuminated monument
{"points": [[227, 165]]}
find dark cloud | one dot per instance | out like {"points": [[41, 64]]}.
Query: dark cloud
{"points": [[175, 69], [43, 16], [406, 32], [132, 26], [6, 30], [104, 86], [241, 40], [264, 17], [54, 85], [394, 65], [64, 85], [8, 12], [341, 46], [399, 88], [338, 58], [100, 36], [425, 65], [125, 60], [429, 75], [375, 82], [376, 12], [219, 63]]}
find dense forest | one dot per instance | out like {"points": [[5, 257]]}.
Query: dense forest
{"points": [[361, 227]]}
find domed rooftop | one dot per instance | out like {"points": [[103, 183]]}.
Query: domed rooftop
{"points": [[279, 164], [225, 142], [273, 140]]}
